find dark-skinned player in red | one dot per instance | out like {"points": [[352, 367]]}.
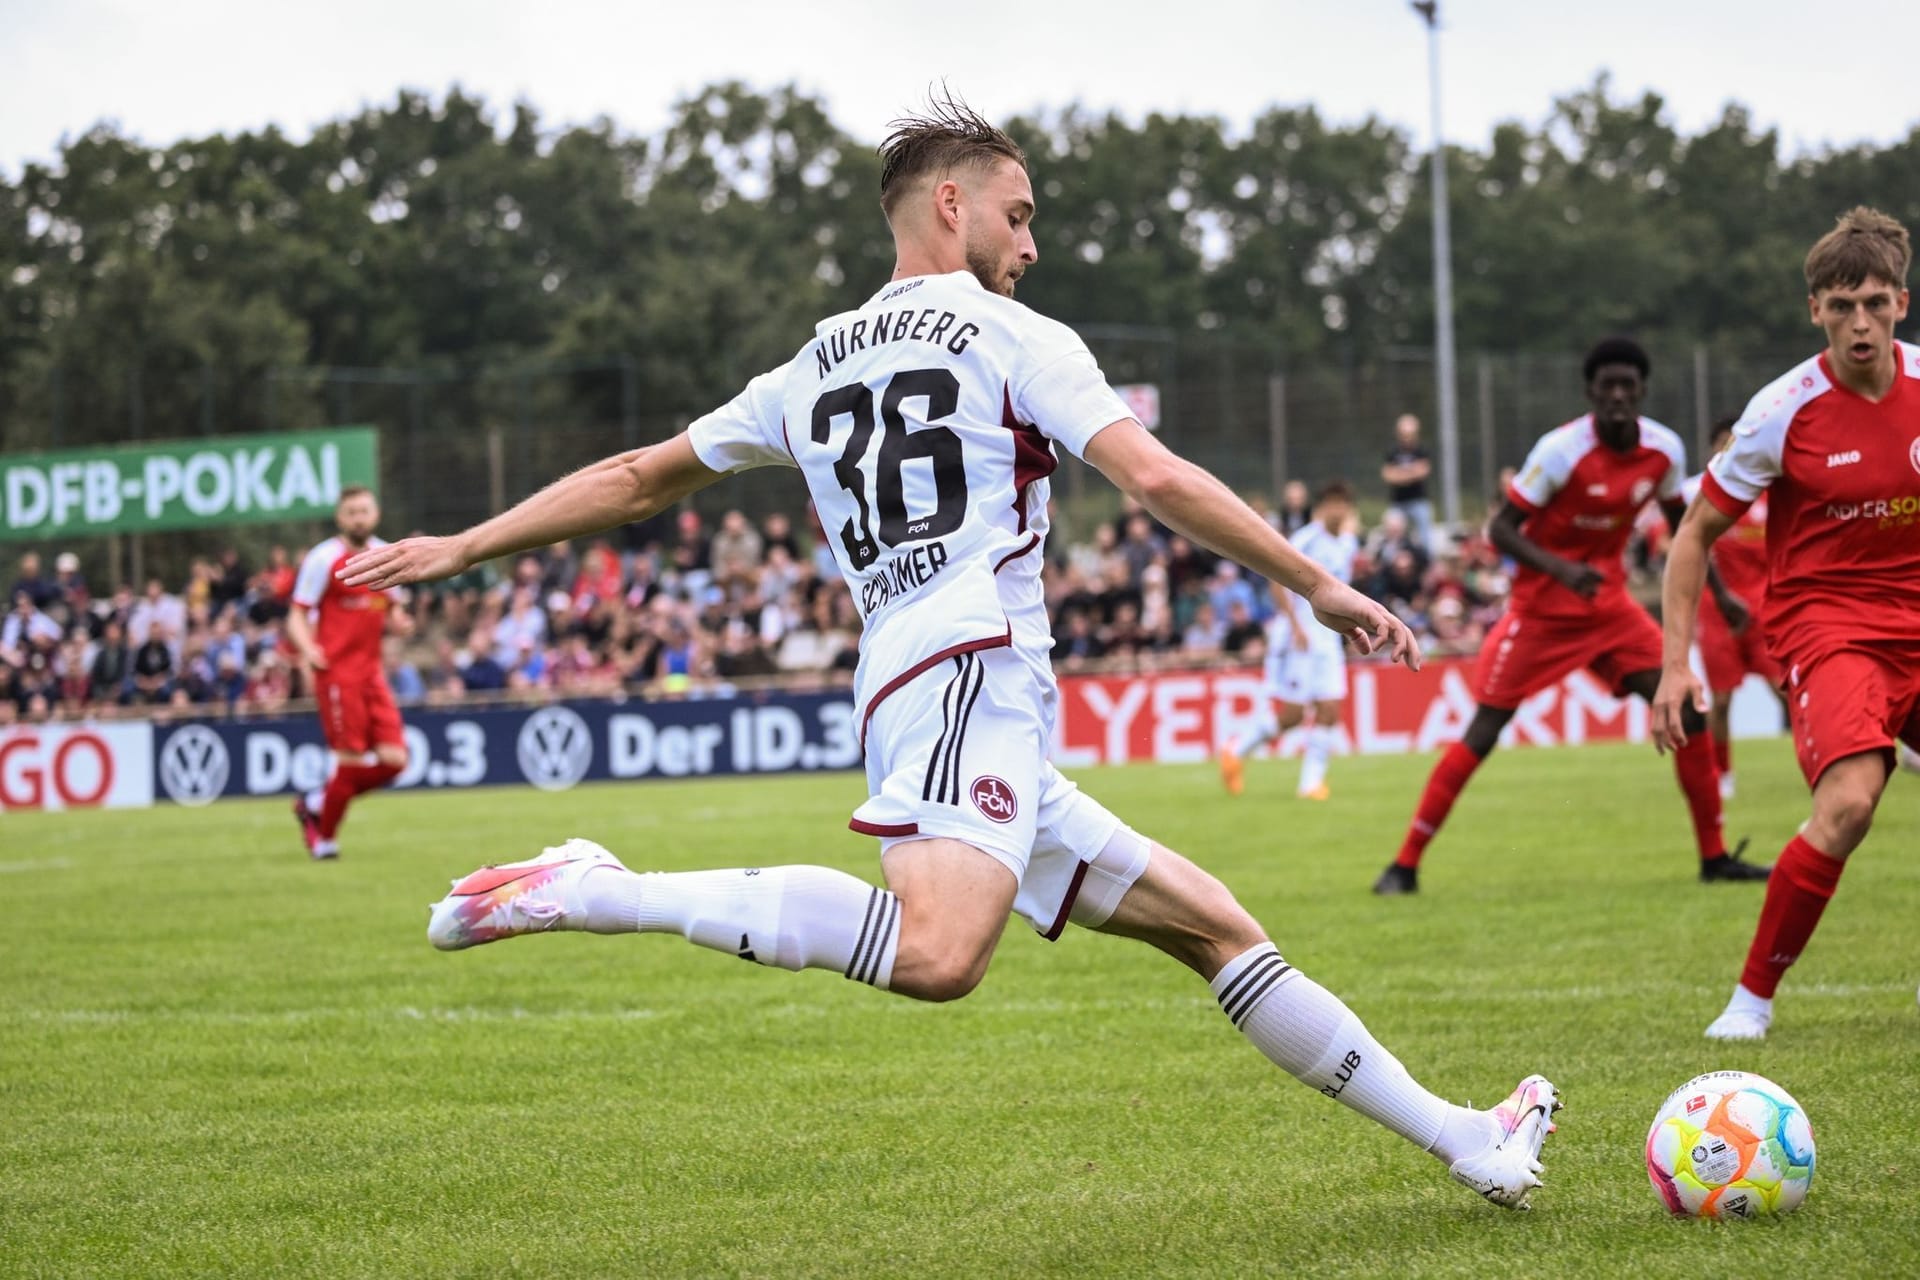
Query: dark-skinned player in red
{"points": [[1834, 448], [1565, 523]]}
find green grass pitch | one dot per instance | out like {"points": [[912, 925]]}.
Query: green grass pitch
{"points": [[217, 1058]]}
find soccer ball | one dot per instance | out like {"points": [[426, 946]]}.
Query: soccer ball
{"points": [[1730, 1144]]}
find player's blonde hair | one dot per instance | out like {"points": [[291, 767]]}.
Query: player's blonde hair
{"points": [[951, 135], [1864, 244]]}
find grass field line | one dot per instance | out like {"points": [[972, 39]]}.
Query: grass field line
{"points": [[471, 1013], [36, 864]]}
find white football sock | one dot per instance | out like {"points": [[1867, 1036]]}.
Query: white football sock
{"points": [[1307, 1032], [788, 917], [1313, 761]]}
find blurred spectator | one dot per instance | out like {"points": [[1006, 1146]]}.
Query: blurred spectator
{"points": [[156, 608], [31, 581], [26, 627], [1407, 469], [70, 595], [153, 665], [1140, 548], [110, 674], [599, 577], [777, 531], [1296, 507], [1242, 629], [736, 550]]}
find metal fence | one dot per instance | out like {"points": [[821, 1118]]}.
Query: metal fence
{"points": [[458, 444]]}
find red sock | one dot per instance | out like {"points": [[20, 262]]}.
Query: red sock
{"points": [[1443, 788], [348, 781], [1700, 781], [1797, 892], [1723, 754]]}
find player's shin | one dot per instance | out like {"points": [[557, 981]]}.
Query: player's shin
{"points": [[1803, 881], [793, 917], [1313, 760], [1699, 779], [1436, 801], [1306, 1031]]}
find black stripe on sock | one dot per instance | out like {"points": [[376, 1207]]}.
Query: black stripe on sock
{"points": [[1253, 997], [869, 945], [946, 722], [873, 900], [966, 716], [1239, 984], [890, 920]]}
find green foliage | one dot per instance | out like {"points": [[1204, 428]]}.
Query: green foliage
{"points": [[221, 1059], [156, 290]]}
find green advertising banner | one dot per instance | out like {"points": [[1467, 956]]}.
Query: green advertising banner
{"points": [[184, 484]]}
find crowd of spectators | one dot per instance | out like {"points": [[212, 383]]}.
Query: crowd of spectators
{"points": [[696, 608]]}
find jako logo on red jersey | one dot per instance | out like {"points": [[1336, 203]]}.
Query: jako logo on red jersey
{"points": [[994, 798], [1844, 459]]}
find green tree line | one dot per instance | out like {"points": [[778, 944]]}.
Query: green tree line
{"points": [[443, 233]]}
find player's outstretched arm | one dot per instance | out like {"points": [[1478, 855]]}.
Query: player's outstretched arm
{"points": [[612, 492], [1680, 591], [1188, 498]]}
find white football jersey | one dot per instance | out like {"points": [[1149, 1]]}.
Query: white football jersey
{"points": [[1333, 552], [923, 423]]}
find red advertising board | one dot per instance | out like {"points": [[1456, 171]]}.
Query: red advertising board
{"points": [[76, 766], [1180, 717]]}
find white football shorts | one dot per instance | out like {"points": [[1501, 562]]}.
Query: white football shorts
{"points": [[1301, 678], [960, 751]]}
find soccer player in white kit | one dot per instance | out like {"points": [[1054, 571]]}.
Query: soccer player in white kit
{"points": [[1306, 666], [924, 422]]}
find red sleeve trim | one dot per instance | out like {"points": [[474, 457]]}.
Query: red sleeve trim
{"points": [[1513, 496], [1723, 502], [1066, 904], [866, 828]]}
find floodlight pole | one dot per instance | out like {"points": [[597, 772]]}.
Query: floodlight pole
{"points": [[1446, 383]]}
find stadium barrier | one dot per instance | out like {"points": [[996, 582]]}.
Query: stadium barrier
{"points": [[1169, 717]]}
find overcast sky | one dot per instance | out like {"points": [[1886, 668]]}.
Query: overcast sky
{"points": [[167, 71]]}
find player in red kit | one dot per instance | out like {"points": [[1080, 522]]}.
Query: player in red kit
{"points": [[1835, 448], [337, 629], [1728, 655], [1566, 521]]}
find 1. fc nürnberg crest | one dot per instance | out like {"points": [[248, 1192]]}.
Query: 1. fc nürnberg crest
{"points": [[994, 799], [555, 748]]}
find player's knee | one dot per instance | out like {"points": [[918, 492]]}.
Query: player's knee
{"points": [[939, 978], [394, 757], [1847, 816]]}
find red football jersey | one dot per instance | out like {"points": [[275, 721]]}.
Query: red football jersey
{"points": [[1740, 555], [1843, 521], [1581, 498], [348, 621]]}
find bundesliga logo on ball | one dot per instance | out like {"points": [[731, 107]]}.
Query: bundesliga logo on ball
{"points": [[1730, 1144]]}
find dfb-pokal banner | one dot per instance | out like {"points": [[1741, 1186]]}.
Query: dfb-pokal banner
{"points": [[184, 484], [553, 747]]}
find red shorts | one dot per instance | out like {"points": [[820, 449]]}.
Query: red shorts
{"points": [[1848, 701], [1522, 656], [1729, 657], [358, 714]]}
